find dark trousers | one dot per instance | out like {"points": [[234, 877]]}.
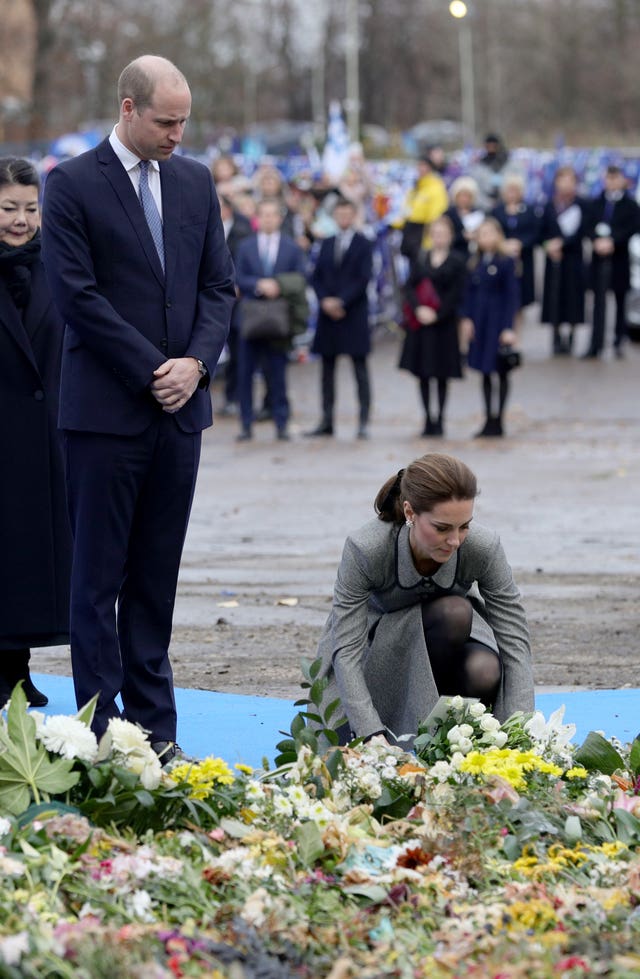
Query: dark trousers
{"points": [[129, 502], [253, 354], [601, 286], [361, 374]]}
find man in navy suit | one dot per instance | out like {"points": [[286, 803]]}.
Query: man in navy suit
{"points": [[135, 253], [340, 280], [260, 260]]}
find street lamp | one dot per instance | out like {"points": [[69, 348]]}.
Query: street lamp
{"points": [[352, 103], [460, 10]]}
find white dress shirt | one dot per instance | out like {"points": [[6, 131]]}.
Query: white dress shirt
{"points": [[131, 163], [268, 246]]}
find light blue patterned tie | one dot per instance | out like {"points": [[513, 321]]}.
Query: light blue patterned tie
{"points": [[151, 212]]}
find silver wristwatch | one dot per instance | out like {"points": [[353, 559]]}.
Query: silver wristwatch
{"points": [[202, 368]]}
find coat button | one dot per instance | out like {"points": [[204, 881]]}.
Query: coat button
{"points": [[168, 304], [164, 344], [39, 395]]}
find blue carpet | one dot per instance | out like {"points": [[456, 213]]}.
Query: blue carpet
{"points": [[246, 729]]}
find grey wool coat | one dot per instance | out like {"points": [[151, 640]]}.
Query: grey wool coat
{"points": [[373, 647]]}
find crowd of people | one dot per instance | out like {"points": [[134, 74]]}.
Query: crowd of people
{"points": [[476, 247], [114, 316]]}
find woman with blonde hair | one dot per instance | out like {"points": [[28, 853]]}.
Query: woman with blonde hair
{"points": [[465, 214], [521, 224], [424, 605]]}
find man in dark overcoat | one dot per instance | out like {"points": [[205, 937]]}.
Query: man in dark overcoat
{"points": [[340, 280], [135, 253], [613, 218], [261, 260]]}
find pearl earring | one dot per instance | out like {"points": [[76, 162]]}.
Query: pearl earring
{"points": [[408, 522]]}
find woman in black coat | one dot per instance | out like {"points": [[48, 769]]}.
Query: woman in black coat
{"points": [[563, 229], [34, 527], [431, 347]]}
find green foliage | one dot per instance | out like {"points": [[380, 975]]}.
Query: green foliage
{"points": [[27, 773], [597, 754], [316, 727], [111, 795]]}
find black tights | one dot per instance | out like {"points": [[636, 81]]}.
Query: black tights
{"points": [[460, 665], [425, 386], [487, 393]]}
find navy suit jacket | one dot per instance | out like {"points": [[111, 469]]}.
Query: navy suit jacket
{"points": [[123, 316], [347, 280], [249, 269]]}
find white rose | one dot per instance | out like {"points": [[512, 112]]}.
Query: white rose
{"points": [[477, 709], [453, 735], [489, 723], [456, 703], [465, 745], [499, 738], [466, 730]]}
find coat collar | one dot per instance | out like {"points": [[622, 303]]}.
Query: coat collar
{"points": [[11, 320], [121, 183], [409, 577]]}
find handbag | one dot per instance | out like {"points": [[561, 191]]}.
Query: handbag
{"points": [[426, 295], [508, 358], [264, 319]]}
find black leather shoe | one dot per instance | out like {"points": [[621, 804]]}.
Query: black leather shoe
{"points": [[319, 431], [35, 697], [167, 751], [244, 436], [362, 432]]}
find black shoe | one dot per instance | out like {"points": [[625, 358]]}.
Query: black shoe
{"points": [[428, 428], [485, 430], [319, 431], [264, 415], [590, 355], [618, 351], [362, 432], [168, 751], [244, 436], [34, 696], [492, 429], [282, 435]]}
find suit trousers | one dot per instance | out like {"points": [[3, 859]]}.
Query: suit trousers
{"points": [[601, 286], [361, 375], [129, 501], [259, 353]]}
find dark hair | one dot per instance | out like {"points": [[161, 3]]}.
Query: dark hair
{"points": [[344, 202], [14, 170], [565, 171], [431, 479], [275, 201]]}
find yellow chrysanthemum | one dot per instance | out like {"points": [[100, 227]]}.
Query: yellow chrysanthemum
{"points": [[576, 772], [610, 849], [245, 769], [203, 777], [535, 913], [507, 763]]}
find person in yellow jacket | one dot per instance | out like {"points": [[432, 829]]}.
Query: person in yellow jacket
{"points": [[425, 202]]}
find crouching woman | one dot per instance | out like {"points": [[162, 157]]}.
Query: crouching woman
{"points": [[424, 605]]}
